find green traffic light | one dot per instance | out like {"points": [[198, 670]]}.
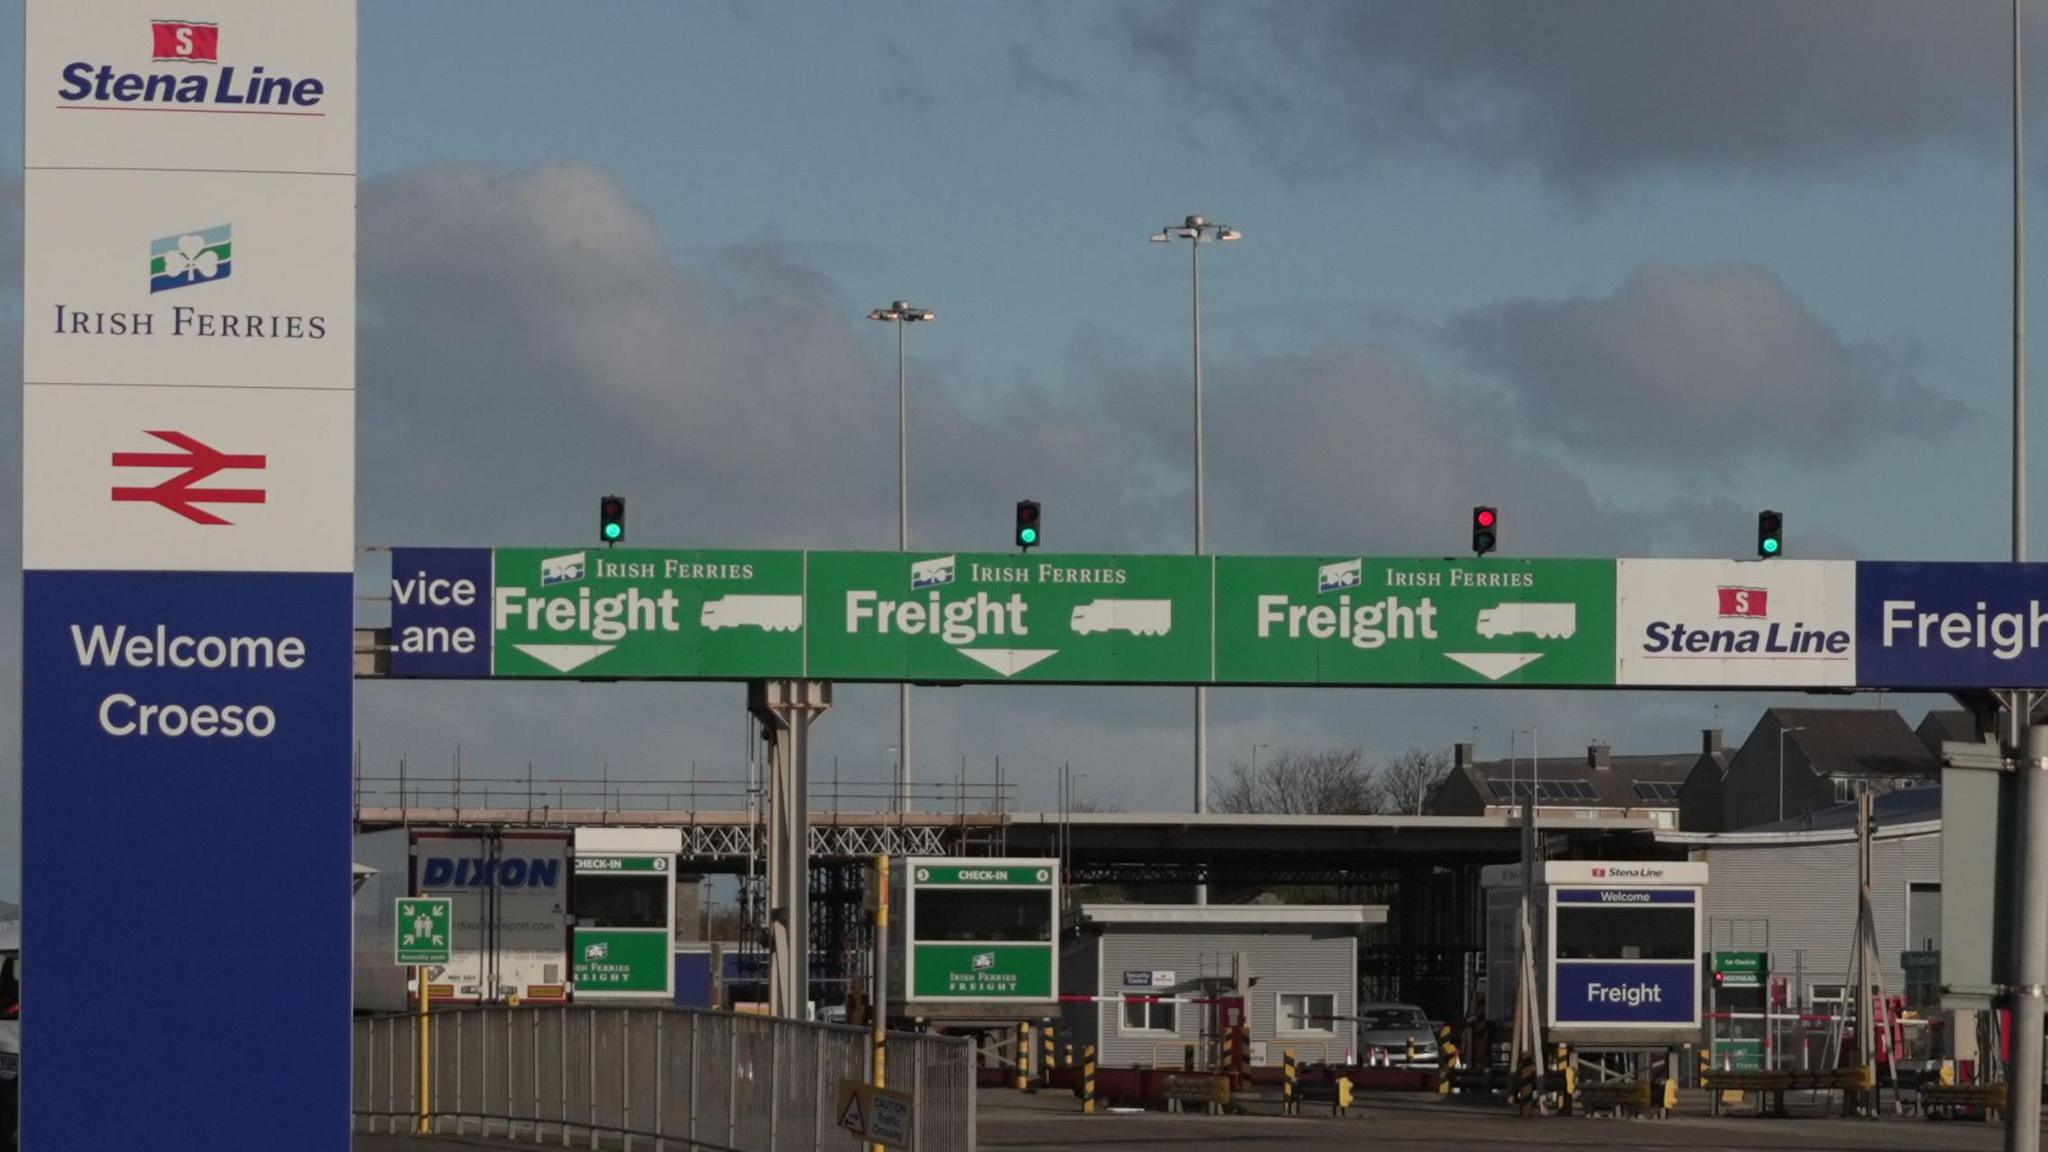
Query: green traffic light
{"points": [[1028, 536], [613, 531], [1770, 546]]}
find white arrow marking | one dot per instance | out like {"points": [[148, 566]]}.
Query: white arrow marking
{"points": [[565, 657], [1494, 665], [1008, 661]]}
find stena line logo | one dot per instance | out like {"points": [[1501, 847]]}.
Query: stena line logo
{"points": [[256, 89], [1742, 627]]}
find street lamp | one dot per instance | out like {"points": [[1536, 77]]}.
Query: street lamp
{"points": [[1781, 766], [901, 313], [1198, 231]]}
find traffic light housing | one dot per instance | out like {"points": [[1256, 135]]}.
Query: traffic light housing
{"points": [[1027, 524], [1485, 529], [1770, 534], [611, 519]]}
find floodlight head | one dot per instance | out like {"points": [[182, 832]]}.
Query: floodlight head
{"points": [[1229, 234]]}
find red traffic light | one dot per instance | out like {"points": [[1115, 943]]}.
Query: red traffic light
{"points": [[1483, 517]]}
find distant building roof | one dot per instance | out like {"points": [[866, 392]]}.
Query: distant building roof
{"points": [[1341, 915], [1857, 742], [1593, 779]]}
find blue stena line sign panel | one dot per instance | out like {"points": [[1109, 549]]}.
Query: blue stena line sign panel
{"points": [[1626, 992], [185, 807], [441, 613], [1945, 626]]}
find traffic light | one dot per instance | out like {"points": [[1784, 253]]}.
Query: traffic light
{"points": [[611, 519], [1027, 524], [1770, 533], [1485, 525]]}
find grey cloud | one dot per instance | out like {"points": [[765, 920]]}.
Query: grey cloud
{"points": [[1586, 91], [1691, 367]]}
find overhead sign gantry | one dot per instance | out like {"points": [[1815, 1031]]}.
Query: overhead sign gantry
{"points": [[671, 614]]}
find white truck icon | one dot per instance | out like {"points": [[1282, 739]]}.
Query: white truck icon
{"points": [[773, 613], [561, 569], [932, 573], [1549, 621], [1138, 617]]}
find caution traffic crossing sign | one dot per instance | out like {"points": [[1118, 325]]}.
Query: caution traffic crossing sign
{"points": [[878, 1114]]}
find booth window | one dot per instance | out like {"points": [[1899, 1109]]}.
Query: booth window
{"points": [[1150, 1016], [982, 915], [1635, 932], [1307, 1012], [616, 900]]}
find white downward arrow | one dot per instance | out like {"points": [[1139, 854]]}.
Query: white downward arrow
{"points": [[1008, 661], [565, 657], [1494, 665]]}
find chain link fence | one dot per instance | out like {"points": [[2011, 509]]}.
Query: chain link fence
{"points": [[651, 1078]]}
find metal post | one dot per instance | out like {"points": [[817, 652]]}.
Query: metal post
{"points": [[2030, 962], [426, 993], [789, 707], [2019, 321], [879, 995], [695, 1060], [1201, 542], [902, 545]]}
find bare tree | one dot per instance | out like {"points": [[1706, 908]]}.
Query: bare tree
{"points": [[1338, 781], [1406, 782]]}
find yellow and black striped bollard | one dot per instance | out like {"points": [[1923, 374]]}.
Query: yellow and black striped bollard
{"points": [[1290, 1102], [1023, 1055], [1525, 1084], [1446, 1060], [1046, 1048], [1567, 1082], [1067, 1054], [1088, 1079]]}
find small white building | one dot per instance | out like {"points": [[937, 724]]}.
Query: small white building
{"points": [[1294, 965]]}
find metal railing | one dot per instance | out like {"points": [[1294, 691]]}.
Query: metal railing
{"points": [[652, 1078]]}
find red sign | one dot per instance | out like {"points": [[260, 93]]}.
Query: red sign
{"points": [[185, 40], [179, 494], [1749, 602]]}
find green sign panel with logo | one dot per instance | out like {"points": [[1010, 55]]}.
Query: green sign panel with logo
{"points": [[983, 972], [1375, 620], [424, 932], [656, 613], [990, 616], [621, 960]]}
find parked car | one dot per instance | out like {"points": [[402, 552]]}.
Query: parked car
{"points": [[1393, 1027]]}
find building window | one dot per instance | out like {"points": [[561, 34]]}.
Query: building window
{"points": [[1307, 1012], [1150, 1016]]}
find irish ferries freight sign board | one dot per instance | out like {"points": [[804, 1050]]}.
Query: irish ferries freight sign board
{"points": [[1345, 619], [981, 931]]}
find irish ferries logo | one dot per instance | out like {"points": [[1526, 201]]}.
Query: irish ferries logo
{"points": [[190, 258]]}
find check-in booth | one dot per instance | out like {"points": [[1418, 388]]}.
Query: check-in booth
{"points": [[974, 939], [1618, 946], [623, 905]]}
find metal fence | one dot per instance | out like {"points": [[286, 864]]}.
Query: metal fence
{"points": [[651, 1078]]}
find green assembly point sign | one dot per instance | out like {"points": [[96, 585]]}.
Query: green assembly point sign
{"points": [[639, 612], [424, 930], [982, 972], [621, 960], [1375, 620], [990, 616]]}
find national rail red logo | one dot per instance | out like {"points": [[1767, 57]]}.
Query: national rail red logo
{"points": [[227, 88]]}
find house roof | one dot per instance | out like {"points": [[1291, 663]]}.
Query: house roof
{"points": [[1571, 782], [1856, 741], [1944, 724]]}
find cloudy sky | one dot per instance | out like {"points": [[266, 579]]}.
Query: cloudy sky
{"points": [[1629, 269]]}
